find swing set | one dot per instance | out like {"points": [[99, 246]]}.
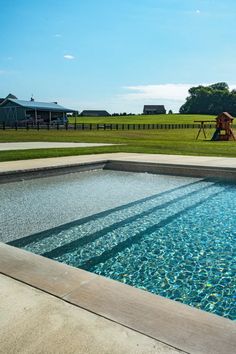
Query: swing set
{"points": [[223, 132]]}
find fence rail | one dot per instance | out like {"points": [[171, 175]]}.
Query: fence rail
{"points": [[99, 126]]}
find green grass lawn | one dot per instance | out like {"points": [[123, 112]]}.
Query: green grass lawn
{"points": [[181, 141], [149, 119]]}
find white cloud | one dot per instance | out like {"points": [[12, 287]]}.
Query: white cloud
{"points": [[57, 35], [173, 92], [69, 57], [198, 12], [171, 95], [176, 92]]}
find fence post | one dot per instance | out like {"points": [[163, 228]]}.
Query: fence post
{"points": [[90, 126], [66, 126], [3, 125], [48, 126], [27, 125], [57, 126], [75, 126], [37, 125], [16, 126]]}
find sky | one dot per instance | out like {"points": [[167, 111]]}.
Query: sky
{"points": [[115, 54]]}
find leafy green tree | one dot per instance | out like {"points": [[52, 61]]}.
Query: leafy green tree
{"points": [[212, 99], [220, 86]]}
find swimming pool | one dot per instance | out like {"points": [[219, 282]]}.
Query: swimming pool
{"points": [[172, 236]]}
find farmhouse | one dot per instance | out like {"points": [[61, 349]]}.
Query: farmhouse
{"points": [[94, 113], [154, 109], [14, 110]]}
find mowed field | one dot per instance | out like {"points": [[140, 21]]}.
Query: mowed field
{"points": [[144, 119], [161, 141]]}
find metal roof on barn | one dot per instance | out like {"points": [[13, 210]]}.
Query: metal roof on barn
{"points": [[52, 106], [92, 111], [154, 107]]}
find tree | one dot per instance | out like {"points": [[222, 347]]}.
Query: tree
{"points": [[220, 86], [211, 99]]}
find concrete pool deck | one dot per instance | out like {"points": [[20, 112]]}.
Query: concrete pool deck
{"points": [[41, 323], [192, 166], [101, 315], [205, 161]]}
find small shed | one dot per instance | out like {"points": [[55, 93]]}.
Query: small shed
{"points": [[14, 110], [154, 109], [224, 130]]}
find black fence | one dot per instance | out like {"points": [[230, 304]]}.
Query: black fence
{"points": [[93, 126]]}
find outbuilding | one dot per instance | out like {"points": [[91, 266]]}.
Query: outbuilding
{"points": [[154, 109], [13, 110], [94, 113]]}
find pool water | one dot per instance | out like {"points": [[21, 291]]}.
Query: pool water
{"points": [[177, 241]]}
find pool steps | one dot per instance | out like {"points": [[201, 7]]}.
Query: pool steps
{"points": [[87, 242]]}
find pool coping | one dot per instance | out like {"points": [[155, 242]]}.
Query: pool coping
{"points": [[40, 172], [118, 163], [175, 324]]}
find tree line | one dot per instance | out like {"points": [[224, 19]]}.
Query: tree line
{"points": [[212, 99]]}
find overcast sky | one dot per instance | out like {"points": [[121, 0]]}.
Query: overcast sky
{"points": [[115, 54]]}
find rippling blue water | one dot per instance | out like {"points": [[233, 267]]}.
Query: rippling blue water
{"points": [[178, 243]]}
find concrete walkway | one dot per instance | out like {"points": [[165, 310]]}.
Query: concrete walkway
{"points": [[45, 145], [41, 323], [206, 161]]}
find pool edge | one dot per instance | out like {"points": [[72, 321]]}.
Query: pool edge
{"points": [[173, 169], [117, 164], [175, 324], [41, 172]]}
